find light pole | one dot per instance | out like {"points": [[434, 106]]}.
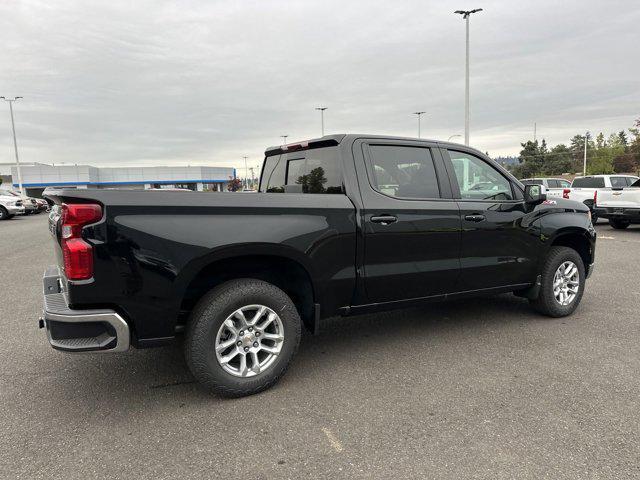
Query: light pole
{"points": [[584, 161], [246, 174], [322, 109], [15, 143], [284, 139], [465, 14], [419, 114], [453, 136]]}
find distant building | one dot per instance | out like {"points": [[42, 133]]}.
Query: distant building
{"points": [[37, 177]]}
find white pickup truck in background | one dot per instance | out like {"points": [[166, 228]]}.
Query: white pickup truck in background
{"points": [[586, 189], [620, 205], [555, 186]]}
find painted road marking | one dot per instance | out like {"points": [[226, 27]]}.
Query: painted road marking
{"points": [[333, 440]]}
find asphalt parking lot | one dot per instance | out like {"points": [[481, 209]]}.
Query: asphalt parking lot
{"points": [[477, 389]]}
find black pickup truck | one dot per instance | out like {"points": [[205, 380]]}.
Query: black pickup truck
{"points": [[341, 225]]}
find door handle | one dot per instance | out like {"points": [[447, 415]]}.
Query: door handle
{"points": [[474, 218], [384, 219]]}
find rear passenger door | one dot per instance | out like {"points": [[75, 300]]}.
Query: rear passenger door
{"points": [[411, 223]]}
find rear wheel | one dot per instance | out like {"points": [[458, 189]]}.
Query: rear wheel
{"points": [[241, 337], [618, 224], [563, 281]]}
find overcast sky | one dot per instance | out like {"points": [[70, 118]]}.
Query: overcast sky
{"points": [[206, 82]]}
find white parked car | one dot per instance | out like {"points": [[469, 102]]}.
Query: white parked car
{"points": [[620, 205], [585, 189], [10, 206], [555, 186]]}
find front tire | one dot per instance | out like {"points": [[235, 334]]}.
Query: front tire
{"points": [[563, 281], [4, 214], [241, 337], [618, 224]]}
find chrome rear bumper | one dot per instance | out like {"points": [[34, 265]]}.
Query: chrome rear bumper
{"points": [[70, 330]]}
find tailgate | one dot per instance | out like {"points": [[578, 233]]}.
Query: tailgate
{"points": [[627, 198], [54, 231]]}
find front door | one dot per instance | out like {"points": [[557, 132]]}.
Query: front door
{"points": [[499, 246], [411, 223]]}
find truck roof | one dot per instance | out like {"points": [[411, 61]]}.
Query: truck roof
{"points": [[337, 139]]}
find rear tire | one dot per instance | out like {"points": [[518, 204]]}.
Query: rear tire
{"points": [[555, 298], [618, 224], [215, 321]]}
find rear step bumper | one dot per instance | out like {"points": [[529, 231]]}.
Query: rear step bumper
{"points": [[69, 330]]}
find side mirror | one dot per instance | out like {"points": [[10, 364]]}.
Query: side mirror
{"points": [[535, 194]]}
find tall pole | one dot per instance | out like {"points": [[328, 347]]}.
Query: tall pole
{"points": [[322, 109], [246, 174], [466, 14], [584, 162], [466, 89], [15, 142], [535, 133], [419, 114]]}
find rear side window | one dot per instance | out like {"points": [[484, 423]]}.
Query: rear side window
{"points": [[563, 184], [403, 172], [532, 181], [588, 182], [552, 183], [309, 171]]}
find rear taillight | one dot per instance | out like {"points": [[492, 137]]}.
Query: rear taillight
{"points": [[565, 193], [595, 197], [77, 254]]}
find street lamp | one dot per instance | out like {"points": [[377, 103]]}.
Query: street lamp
{"points": [[284, 139], [322, 109], [453, 136], [15, 143], [246, 174], [419, 114], [465, 14]]}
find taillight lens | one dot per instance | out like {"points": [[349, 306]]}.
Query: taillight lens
{"points": [[595, 197], [565, 193], [77, 254]]}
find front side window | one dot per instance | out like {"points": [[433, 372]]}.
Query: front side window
{"points": [[403, 172], [553, 183], [564, 184], [308, 171], [478, 180]]}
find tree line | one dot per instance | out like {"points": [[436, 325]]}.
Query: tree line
{"points": [[617, 153]]}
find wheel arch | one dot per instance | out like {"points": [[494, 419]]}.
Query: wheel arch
{"points": [[276, 264], [577, 239]]}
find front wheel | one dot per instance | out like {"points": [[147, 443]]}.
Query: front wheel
{"points": [[241, 337], [563, 282], [618, 224], [4, 214]]}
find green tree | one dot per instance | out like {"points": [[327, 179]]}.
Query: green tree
{"points": [[531, 160], [559, 160]]}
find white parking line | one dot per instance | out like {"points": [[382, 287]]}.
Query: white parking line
{"points": [[333, 440]]}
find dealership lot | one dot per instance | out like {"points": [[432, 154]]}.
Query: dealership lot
{"points": [[482, 388]]}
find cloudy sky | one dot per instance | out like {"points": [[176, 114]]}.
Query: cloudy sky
{"points": [[205, 82]]}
